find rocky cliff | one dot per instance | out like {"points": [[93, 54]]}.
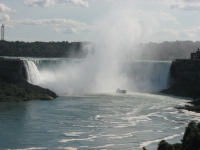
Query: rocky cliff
{"points": [[14, 86], [186, 82], [186, 78], [185, 70], [12, 70]]}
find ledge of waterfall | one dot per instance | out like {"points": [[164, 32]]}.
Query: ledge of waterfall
{"points": [[14, 86]]}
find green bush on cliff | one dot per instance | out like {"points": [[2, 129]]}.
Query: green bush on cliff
{"points": [[191, 138], [163, 145], [190, 141]]}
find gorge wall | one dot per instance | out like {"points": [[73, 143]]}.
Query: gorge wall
{"points": [[185, 70], [12, 70], [185, 74]]}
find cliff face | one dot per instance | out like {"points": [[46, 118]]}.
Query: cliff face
{"points": [[186, 75], [186, 70], [12, 70], [14, 86]]}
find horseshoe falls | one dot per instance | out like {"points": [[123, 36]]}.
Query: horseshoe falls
{"points": [[68, 76]]}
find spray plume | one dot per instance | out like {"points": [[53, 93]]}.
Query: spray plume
{"points": [[102, 71]]}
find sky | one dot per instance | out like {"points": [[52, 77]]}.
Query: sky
{"points": [[85, 20]]}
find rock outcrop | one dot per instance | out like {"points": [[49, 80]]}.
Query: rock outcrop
{"points": [[186, 82], [186, 78], [14, 86]]}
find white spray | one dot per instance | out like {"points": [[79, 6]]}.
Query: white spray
{"points": [[100, 72]]}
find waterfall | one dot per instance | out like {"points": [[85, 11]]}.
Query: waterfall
{"points": [[33, 75], [67, 75], [148, 76]]}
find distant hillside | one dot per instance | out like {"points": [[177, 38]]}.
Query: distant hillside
{"points": [[44, 49], [143, 51]]}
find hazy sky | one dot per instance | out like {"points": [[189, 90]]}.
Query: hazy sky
{"points": [[83, 20]]}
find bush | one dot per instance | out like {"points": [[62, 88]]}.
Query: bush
{"points": [[190, 141], [163, 145]]}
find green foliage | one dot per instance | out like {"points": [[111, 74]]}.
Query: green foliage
{"points": [[163, 145], [2, 58], [190, 141], [44, 49], [148, 51], [191, 138]]}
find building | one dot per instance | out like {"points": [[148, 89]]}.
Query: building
{"points": [[196, 55], [2, 32]]}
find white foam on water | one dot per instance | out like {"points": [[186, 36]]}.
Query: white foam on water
{"points": [[174, 112], [169, 108], [31, 148], [143, 144], [97, 117], [67, 148], [104, 146], [134, 120], [191, 113], [91, 138], [73, 133], [177, 127], [128, 134]]}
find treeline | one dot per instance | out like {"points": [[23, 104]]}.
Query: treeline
{"points": [[44, 49], [164, 51], [143, 51]]}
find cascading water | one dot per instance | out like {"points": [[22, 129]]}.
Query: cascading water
{"points": [[148, 76], [74, 77], [33, 75]]}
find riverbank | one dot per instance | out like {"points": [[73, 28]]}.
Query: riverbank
{"points": [[14, 86]]}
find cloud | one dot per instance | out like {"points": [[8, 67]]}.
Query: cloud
{"points": [[160, 15], [56, 22], [58, 25], [185, 5], [65, 26], [167, 17], [4, 17], [4, 8], [41, 3], [184, 34], [76, 30], [66, 31], [79, 3]]}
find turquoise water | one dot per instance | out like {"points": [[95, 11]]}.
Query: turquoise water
{"points": [[98, 121]]}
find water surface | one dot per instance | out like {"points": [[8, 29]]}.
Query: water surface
{"points": [[98, 121]]}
